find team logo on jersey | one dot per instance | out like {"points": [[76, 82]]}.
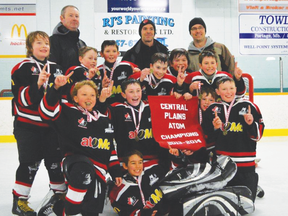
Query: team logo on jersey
{"points": [[243, 111], [234, 127], [142, 134], [153, 199], [95, 143], [132, 201], [216, 109], [143, 89], [153, 179], [58, 73], [35, 71], [127, 117], [122, 76], [149, 119], [82, 123], [109, 129], [162, 92]]}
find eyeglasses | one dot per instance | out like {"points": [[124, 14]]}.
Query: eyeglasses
{"points": [[195, 28], [207, 53]]}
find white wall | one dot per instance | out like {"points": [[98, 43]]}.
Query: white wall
{"points": [[221, 18], [275, 117]]}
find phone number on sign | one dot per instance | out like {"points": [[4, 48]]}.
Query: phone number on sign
{"points": [[129, 43]]}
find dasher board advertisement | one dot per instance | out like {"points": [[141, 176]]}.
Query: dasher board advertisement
{"points": [[16, 21], [124, 28], [263, 34]]}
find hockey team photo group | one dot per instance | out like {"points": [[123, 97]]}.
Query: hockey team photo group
{"points": [[152, 131]]}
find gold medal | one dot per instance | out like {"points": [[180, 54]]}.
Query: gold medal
{"points": [[136, 138], [226, 128]]}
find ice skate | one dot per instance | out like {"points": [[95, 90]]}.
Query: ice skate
{"points": [[260, 192], [21, 208], [48, 208]]}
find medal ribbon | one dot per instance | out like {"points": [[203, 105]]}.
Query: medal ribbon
{"points": [[139, 180], [112, 71], [200, 116], [137, 126], [90, 117], [152, 81], [227, 112]]}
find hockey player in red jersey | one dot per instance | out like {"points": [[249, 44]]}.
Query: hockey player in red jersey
{"points": [[155, 80], [208, 75], [139, 193], [113, 70], [133, 129], [88, 69], [35, 139], [86, 139], [235, 125]]}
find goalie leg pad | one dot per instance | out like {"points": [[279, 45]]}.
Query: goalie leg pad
{"points": [[197, 177], [236, 200]]}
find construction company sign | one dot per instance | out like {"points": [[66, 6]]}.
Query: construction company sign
{"points": [[263, 27], [263, 34], [17, 21]]}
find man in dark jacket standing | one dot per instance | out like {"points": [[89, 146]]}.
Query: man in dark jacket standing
{"points": [[141, 53], [65, 42]]}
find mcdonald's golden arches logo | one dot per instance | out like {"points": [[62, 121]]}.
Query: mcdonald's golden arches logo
{"points": [[18, 28]]}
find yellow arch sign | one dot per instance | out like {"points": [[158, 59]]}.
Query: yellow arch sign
{"points": [[18, 30]]}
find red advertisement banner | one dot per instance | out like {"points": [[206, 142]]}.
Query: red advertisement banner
{"points": [[175, 122]]}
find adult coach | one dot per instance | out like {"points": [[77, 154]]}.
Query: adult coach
{"points": [[197, 29], [65, 42], [141, 53]]}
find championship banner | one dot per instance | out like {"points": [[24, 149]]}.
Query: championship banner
{"points": [[175, 122]]}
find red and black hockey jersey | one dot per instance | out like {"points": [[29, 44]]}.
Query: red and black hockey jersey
{"points": [[79, 134], [152, 87], [138, 195], [198, 76], [173, 72], [120, 72], [240, 141], [81, 73], [27, 96], [127, 138]]}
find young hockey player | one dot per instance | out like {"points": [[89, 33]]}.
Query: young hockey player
{"points": [[88, 69], [35, 139], [154, 80], [178, 59], [112, 70], [208, 75], [207, 96], [235, 125], [139, 193], [86, 139], [133, 129]]}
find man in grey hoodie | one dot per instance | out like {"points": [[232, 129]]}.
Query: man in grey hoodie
{"points": [[65, 42], [197, 29]]}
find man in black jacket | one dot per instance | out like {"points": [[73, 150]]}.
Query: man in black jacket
{"points": [[65, 41], [141, 53]]}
